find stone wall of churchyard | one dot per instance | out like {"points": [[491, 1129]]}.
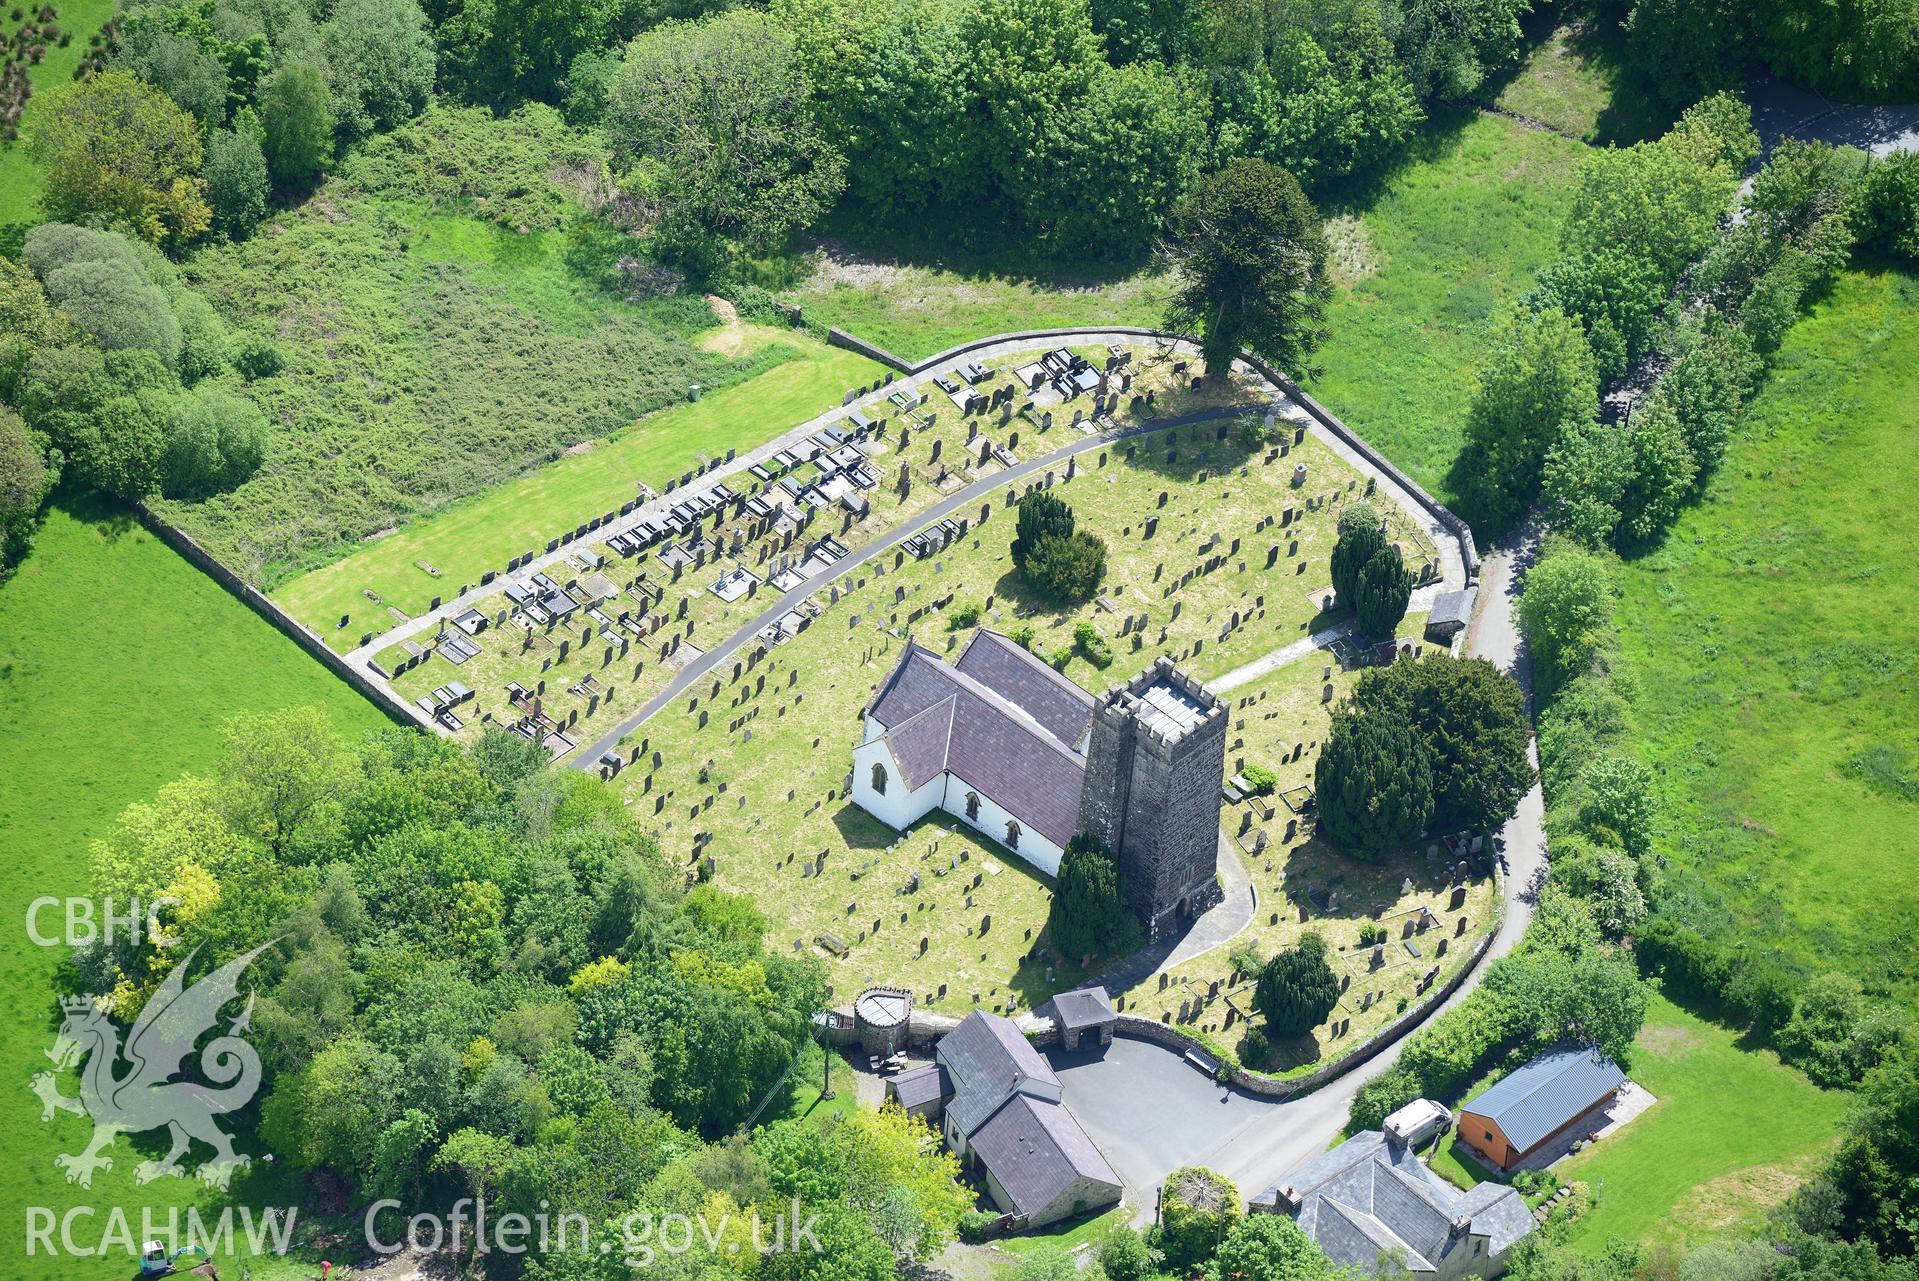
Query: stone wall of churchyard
{"points": [[1453, 525], [925, 1027], [382, 697]]}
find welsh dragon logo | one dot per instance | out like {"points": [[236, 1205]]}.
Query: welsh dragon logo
{"points": [[132, 1089]]}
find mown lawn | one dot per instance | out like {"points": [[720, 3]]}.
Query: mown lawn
{"points": [[1773, 653], [1421, 265], [483, 532], [915, 307], [118, 663], [1733, 1133], [20, 178]]}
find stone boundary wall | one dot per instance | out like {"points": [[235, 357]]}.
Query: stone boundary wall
{"points": [[836, 337], [1461, 532], [299, 633], [924, 1027]]}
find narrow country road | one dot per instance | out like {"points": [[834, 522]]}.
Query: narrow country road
{"points": [[1290, 1133]]}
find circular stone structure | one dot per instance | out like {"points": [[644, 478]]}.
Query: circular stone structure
{"points": [[880, 1016]]}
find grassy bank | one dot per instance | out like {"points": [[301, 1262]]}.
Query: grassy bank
{"points": [[483, 532], [1774, 657], [429, 356], [104, 710], [1421, 265]]}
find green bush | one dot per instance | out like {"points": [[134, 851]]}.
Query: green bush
{"points": [[1066, 570], [1093, 647], [1373, 784], [962, 616], [1197, 1207], [1261, 780], [976, 1226], [1297, 989], [1382, 1096]]}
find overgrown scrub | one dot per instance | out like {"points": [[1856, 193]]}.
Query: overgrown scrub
{"points": [[527, 172], [430, 353]]}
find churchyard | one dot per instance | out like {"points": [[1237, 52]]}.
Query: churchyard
{"points": [[744, 777], [1431, 916], [636, 617], [633, 621]]}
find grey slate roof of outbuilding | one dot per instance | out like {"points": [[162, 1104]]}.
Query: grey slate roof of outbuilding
{"points": [[1083, 1008], [1035, 1150], [1538, 1099], [941, 718], [987, 1058], [1370, 1195], [1450, 611], [925, 1084]]}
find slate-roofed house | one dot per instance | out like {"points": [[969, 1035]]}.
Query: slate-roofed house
{"points": [[1537, 1102], [999, 1106], [923, 1091], [988, 1061], [1371, 1200], [1040, 1165], [996, 738]]}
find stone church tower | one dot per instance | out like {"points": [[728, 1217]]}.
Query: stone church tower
{"points": [[1155, 760]]}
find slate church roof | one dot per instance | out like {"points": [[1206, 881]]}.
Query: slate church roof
{"points": [[1000, 720], [1372, 1196]]}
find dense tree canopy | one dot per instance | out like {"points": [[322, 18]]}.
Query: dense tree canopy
{"points": [[115, 147], [1361, 534], [1038, 515], [1472, 719], [296, 114], [1066, 569], [1252, 263], [1297, 988], [1373, 784], [1538, 382], [1382, 593], [714, 119], [1089, 916]]}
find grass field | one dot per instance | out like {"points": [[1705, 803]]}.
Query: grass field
{"points": [[1422, 259], [483, 532], [915, 307], [1774, 655], [100, 716], [20, 179], [1422, 264], [1733, 1133], [1734, 1130], [430, 355]]}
